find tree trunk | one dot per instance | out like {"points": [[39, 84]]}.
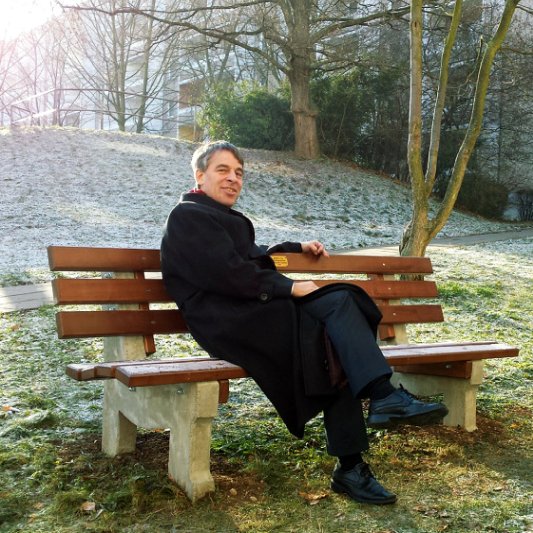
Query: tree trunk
{"points": [[304, 113], [300, 57], [148, 41], [415, 233]]}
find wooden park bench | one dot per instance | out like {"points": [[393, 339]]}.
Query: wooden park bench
{"points": [[183, 393]]}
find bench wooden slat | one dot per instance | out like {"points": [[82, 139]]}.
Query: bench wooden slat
{"points": [[72, 324], [456, 369], [102, 291], [414, 354], [346, 264], [106, 370], [392, 347], [123, 291], [82, 371], [411, 314], [71, 258], [190, 372], [88, 259], [391, 289]]}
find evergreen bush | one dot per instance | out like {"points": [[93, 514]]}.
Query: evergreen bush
{"points": [[483, 196], [478, 195], [343, 111], [363, 117], [249, 116]]}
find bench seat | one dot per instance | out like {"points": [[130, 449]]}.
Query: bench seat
{"points": [[444, 359]]}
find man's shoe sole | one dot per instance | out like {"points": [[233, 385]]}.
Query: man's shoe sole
{"points": [[339, 489], [387, 421]]}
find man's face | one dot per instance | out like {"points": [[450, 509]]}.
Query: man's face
{"points": [[222, 180]]}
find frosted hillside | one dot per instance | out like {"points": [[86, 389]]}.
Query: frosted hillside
{"points": [[94, 188]]}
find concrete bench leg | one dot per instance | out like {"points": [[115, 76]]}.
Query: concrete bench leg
{"points": [[459, 394], [190, 438], [119, 434], [186, 409]]}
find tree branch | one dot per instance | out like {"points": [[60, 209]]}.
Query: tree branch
{"points": [[476, 118], [440, 99], [215, 33]]}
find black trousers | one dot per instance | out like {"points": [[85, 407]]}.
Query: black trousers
{"points": [[362, 361]]}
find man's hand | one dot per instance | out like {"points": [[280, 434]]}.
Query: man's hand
{"points": [[314, 247], [302, 288]]}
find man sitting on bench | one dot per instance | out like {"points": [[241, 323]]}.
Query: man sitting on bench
{"points": [[239, 308]]}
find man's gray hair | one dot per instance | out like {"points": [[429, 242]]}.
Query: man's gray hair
{"points": [[201, 156]]}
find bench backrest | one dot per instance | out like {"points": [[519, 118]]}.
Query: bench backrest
{"points": [[127, 294]]}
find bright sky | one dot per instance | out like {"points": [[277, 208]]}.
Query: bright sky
{"points": [[17, 16]]}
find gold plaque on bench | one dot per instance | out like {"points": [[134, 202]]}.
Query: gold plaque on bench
{"points": [[280, 261]]}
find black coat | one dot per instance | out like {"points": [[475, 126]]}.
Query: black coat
{"points": [[239, 308]]}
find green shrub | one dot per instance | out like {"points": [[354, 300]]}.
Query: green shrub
{"points": [[483, 196], [342, 113], [363, 116], [249, 116], [479, 195]]}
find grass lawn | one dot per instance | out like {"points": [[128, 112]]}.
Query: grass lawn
{"points": [[53, 477]]}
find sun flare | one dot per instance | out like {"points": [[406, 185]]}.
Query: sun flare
{"points": [[19, 16]]}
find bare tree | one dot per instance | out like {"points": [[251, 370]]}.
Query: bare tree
{"points": [[8, 62], [33, 65], [123, 58], [424, 226], [298, 33]]}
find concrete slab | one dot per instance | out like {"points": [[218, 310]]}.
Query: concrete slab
{"points": [[23, 297]]}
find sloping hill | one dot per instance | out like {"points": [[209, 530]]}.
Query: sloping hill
{"points": [[69, 186]]}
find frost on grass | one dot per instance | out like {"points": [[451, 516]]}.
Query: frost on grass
{"points": [[486, 295], [94, 188]]}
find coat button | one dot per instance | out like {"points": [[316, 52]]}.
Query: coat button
{"points": [[263, 296]]}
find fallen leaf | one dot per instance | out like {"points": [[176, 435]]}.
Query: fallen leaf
{"points": [[88, 507], [233, 492], [312, 498], [253, 499]]}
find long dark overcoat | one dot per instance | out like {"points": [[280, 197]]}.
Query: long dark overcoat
{"points": [[239, 308]]}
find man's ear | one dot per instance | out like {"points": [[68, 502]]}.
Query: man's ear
{"points": [[199, 177]]}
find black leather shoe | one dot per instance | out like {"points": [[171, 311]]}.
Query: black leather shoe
{"points": [[360, 485], [401, 407]]}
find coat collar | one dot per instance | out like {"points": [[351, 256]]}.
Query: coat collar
{"points": [[203, 199]]}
